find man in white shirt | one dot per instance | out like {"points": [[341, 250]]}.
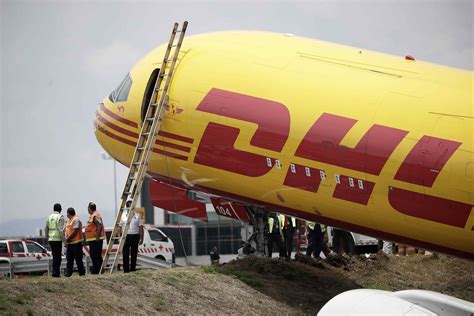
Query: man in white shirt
{"points": [[133, 239]]}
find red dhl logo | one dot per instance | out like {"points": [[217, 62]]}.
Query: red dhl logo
{"points": [[322, 144]]}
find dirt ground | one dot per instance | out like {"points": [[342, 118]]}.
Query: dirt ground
{"points": [[249, 286], [307, 284]]}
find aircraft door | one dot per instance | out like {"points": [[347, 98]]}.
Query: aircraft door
{"points": [[148, 92]]}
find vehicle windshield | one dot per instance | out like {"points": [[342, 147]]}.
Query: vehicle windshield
{"points": [[34, 248], [156, 235]]}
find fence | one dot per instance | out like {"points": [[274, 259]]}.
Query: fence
{"points": [[12, 268]]}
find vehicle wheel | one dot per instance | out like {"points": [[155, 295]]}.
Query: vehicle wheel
{"points": [[347, 243]]}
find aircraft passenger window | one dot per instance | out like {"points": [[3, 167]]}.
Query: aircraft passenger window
{"points": [[121, 93], [18, 247]]}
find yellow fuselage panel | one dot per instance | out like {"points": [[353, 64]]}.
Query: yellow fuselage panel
{"points": [[348, 137]]}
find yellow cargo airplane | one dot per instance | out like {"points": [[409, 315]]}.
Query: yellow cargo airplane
{"points": [[372, 143]]}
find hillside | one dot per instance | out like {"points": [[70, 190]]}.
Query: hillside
{"points": [[248, 286]]}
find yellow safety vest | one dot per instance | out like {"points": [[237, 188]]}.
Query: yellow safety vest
{"points": [[281, 219], [271, 221], [323, 228], [54, 231]]}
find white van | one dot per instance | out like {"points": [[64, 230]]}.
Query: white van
{"points": [[155, 244]]}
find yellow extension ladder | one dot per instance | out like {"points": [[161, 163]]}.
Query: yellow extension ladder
{"points": [[143, 150]]}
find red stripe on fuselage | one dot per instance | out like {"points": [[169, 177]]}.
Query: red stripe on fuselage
{"points": [[115, 127], [429, 207], [135, 135], [176, 137], [133, 144], [174, 146], [117, 117]]}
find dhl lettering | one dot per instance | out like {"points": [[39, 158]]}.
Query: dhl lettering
{"points": [[304, 178], [369, 155], [272, 118], [321, 144], [353, 193], [217, 150], [217, 145], [425, 160]]}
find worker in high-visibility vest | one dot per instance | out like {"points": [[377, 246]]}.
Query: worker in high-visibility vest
{"points": [[315, 239], [54, 232], [74, 243], [288, 224], [95, 235], [274, 235]]}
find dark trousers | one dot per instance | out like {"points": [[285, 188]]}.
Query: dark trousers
{"points": [[74, 252], [56, 249], [130, 248], [95, 248], [315, 241], [275, 237], [288, 234]]}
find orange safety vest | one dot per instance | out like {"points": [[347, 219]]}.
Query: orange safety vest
{"points": [[69, 229], [91, 227]]}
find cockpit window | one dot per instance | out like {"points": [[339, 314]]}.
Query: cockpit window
{"points": [[121, 93]]}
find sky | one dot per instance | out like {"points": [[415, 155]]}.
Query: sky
{"points": [[59, 59]]}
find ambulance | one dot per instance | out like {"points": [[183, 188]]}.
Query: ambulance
{"points": [[155, 244], [17, 251]]}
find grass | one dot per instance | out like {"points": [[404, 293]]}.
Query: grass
{"points": [[160, 304], [49, 289], [209, 269], [9, 303], [179, 277], [250, 278], [3, 303]]}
